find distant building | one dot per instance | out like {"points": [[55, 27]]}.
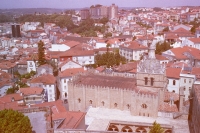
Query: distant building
{"points": [[85, 13], [98, 11], [112, 11], [16, 31]]}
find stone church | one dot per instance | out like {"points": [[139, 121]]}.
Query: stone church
{"points": [[141, 95]]}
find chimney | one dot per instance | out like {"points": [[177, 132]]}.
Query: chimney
{"points": [[12, 99]]}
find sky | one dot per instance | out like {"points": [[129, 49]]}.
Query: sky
{"points": [[68, 4]]}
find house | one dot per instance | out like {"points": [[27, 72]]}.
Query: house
{"points": [[5, 82], [48, 83], [63, 78], [68, 64], [32, 95], [197, 33], [132, 50], [63, 46], [162, 59], [44, 69], [8, 67], [193, 42], [185, 54], [82, 54], [173, 78]]}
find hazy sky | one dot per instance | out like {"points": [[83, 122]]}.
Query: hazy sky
{"points": [[87, 3]]}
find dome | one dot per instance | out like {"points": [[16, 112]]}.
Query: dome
{"points": [[150, 66]]}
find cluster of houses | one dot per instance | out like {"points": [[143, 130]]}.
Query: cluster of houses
{"points": [[73, 54]]}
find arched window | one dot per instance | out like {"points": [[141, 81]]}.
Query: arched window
{"points": [[103, 103], [115, 105], [79, 100], [144, 106], [65, 94], [90, 101]]}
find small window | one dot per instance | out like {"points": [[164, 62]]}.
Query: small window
{"points": [[174, 82], [103, 103], [190, 81], [79, 100], [64, 80], [90, 101], [184, 80], [145, 80], [152, 80], [128, 106], [115, 105], [33, 98]]}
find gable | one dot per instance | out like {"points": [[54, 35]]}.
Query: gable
{"points": [[70, 64]]}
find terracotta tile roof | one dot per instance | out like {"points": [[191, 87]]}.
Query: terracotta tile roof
{"points": [[70, 43], [160, 57], [65, 62], [8, 98], [100, 69], [166, 107], [106, 81], [196, 72], [134, 46], [78, 51], [126, 67], [173, 72], [195, 40], [7, 65], [71, 72], [45, 79], [31, 90], [169, 95]]}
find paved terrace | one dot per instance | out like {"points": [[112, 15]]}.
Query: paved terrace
{"points": [[99, 118]]}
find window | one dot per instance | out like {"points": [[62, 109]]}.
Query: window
{"points": [[90, 101], [174, 82], [49, 85], [184, 88], [64, 80], [103, 103], [190, 81], [152, 80], [33, 98], [184, 80], [144, 106], [128, 106], [115, 105], [145, 80], [79, 100]]}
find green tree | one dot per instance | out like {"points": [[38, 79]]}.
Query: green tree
{"points": [[41, 56], [14, 122], [156, 128]]}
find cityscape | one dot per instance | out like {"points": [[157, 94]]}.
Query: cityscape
{"points": [[94, 68]]}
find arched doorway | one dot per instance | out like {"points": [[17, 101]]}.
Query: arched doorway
{"points": [[127, 129], [113, 128], [141, 130]]}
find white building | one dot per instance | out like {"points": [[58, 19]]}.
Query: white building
{"points": [[132, 50]]}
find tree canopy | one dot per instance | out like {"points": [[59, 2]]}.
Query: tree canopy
{"points": [[41, 56], [156, 128], [14, 122], [109, 59], [161, 47]]}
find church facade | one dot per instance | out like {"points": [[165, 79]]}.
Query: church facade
{"points": [[141, 95]]}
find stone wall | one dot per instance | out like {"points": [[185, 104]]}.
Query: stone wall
{"points": [[82, 96]]}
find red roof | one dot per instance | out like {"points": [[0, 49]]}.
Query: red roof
{"points": [[134, 46], [71, 72], [45, 79], [31, 90], [195, 40], [166, 107], [173, 72]]}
